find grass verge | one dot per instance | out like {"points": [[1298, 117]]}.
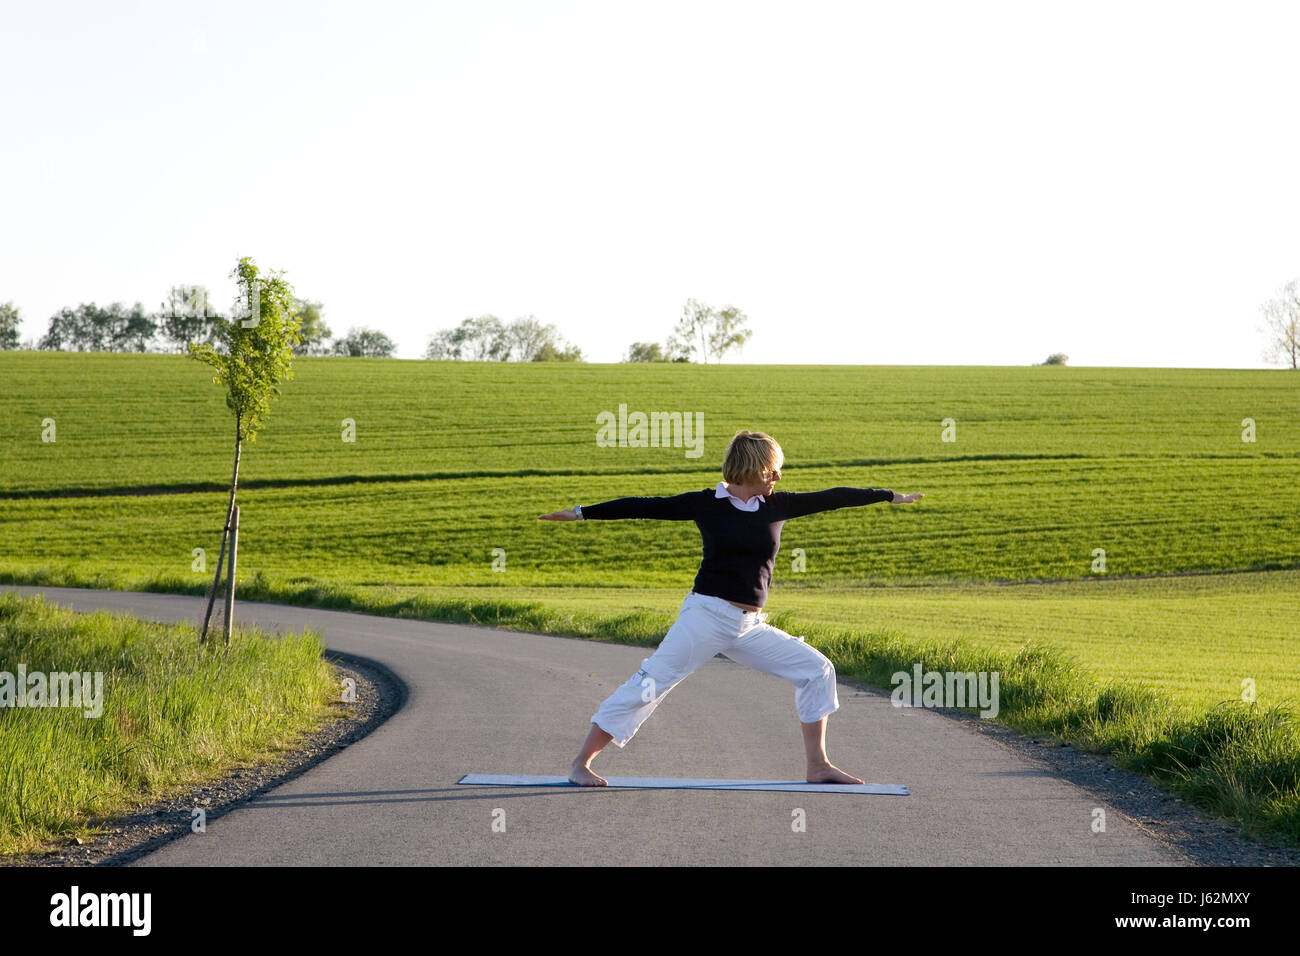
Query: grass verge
{"points": [[172, 714]]}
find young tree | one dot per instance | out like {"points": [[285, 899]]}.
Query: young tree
{"points": [[252, 356], [1282, 325], [9, 322]]}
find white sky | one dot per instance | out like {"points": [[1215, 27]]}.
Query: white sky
{"points": [[879, 183]]}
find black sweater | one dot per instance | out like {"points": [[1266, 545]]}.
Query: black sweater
{"points": [[739, 546]]}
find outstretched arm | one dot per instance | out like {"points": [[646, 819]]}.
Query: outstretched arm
{"points": [[796, 505], [674, 508]]}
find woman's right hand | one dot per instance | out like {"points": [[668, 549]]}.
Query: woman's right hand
{"points": [[567, 514]]}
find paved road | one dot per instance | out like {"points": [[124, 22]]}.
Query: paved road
{"points": [[494, 701]]}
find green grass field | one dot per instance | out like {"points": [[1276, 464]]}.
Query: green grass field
{"points": [[452, 463], [452, 460]]}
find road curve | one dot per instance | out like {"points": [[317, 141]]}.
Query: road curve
{"points": [[494, 701]]}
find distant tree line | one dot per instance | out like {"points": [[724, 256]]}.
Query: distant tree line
{"points": [[184, 316], [486, 338], [703, 334]]}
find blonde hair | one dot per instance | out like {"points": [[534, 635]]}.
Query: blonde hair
{"points": [[749, 455]]}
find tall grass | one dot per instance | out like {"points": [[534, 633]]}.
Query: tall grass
{"points": [[174, 714]]}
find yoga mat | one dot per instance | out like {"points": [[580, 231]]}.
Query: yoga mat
{"points": [[683, 783]]}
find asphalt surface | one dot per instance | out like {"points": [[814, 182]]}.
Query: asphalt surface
{"points": [[492, 701]]}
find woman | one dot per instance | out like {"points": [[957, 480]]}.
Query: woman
{"points": [[740, 521]]}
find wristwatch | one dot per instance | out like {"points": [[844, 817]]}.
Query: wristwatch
{"points": [[577, 510]]}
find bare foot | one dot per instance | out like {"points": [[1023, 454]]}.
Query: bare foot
{"points": [[584, 777], [829, 773]]}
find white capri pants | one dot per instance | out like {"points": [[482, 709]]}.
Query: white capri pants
{"points": [[706, 626]]}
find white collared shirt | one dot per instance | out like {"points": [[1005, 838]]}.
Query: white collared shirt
{"points": [[750, 505]]}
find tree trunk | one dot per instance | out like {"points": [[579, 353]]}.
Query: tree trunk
{"points": [[229, 623], [225, 534]]}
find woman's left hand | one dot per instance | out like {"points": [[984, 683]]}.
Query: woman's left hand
{"points": [[567, 514]]}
